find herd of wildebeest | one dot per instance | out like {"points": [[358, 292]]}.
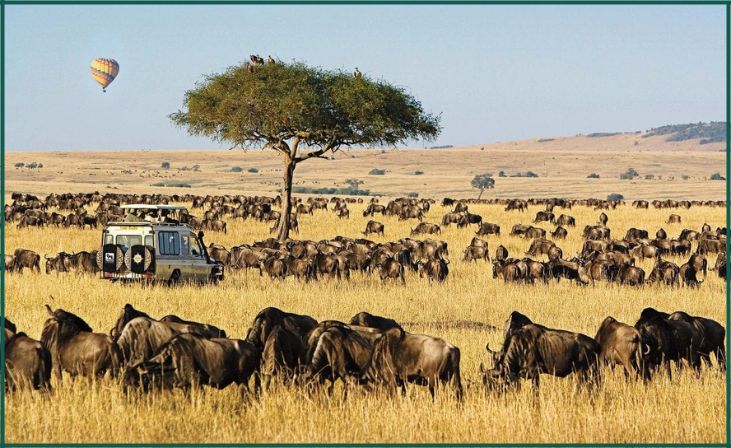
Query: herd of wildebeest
{"points": [[369, 350], [602, 256]]}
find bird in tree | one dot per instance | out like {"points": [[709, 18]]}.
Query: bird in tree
{"points": [[357, 74], [270, 60], [482, 182], [301, 112]]}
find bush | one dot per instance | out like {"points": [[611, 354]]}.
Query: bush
{"points": [[173, 183], [377, 172], [717, 176], [418, 173], [501, 174], [32, 166], [412, 194], [685, 177], [615, 197], [630, 174], [649, 176], [252, 170], [236, 169], [544, 140], [165, 165], [349, 191], [40, 165], [525, 174], [19, 165], [593, 176]]}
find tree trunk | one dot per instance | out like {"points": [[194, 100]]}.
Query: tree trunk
{"points": [[480, 195], [284, 218]]}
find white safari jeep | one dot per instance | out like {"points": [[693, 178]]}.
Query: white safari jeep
{"points": [[152, 244]]}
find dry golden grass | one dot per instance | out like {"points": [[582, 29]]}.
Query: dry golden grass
{"points": [[684, 409], [562, 164]]}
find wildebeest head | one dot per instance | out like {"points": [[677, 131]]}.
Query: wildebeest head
{"points": [[56, 263], [128, 313], [60, 327]]}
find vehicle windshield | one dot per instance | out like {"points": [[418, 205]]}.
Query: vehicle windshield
{"points": [[127, 241]]}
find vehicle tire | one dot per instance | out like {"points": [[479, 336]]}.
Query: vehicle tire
{"points": [[174, 278], [113, 258], [139, 258], [100, 259]]}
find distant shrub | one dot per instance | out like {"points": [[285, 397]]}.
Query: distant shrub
{"points": [[32, 165], [630, 174], [418, 173], [525, 174], [19, 165], [593, 176], [412, 194], [685, 177], [501, 174], [348, 191], [544, 140], [173, 183], [377, 172], [602, 134], [615, 197], [717, 176], [649, 176], [40, 165], [236, 169], [252, 170], [165, 165]]}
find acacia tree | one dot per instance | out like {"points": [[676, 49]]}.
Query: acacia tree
{"points": [[301, 112], [483, 182]]}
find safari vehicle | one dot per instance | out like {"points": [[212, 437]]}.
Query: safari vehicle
{"points": [[152, 244]]}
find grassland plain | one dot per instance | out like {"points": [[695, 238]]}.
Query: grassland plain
{"points": [[468, 310]]}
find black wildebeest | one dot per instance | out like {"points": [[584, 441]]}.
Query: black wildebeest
{"points": [[399, 357], [75, 348], [27, 361], [190, 359]]}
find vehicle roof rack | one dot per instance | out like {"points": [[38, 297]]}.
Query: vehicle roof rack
{"points": [[154, 207]]}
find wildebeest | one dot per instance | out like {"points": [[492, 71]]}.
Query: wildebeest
{"points": [[189, 359], [25, 258], [620, 344], [374, 227], [365, 319], [27, 361], [399, 357], [435, 270], [268, 318], [533, 349], [75, 348], [283, 356], [665, 340], [560, 233], [674, 219], [426, 227], [712, 336], [487, 228]]}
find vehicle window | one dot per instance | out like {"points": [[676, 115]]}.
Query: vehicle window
{"points": [[195, 248], [185, 250], [108, 239], [148, 240], [169, 243], [127, 241]]}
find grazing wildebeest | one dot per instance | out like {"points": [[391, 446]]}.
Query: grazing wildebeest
{"points": [[426, 227], [374, 227], [487, 228], [542, 216], [689, 275], [540, 246], [501, 253], [189, 359], [340, 352], [75, 348], [25, 258], [534, 349], [666, 272], [474, 253], [560, 233], [620, 344], [720, 266], [674, 219], [27, 361], [603, 219], [365, 319], [9, 265], [630, 275], [712, 337], [399, 357], [435, 270], [665, 340], [565, 220], [270, 317], [284, 355]]}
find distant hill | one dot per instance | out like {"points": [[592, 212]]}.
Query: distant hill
{"points": [[712, 132]]}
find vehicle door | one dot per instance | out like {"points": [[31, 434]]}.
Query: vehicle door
{"points": [[169, 256], [200, 264]]}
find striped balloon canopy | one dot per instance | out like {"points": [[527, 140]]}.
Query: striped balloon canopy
{"points": [[104, 71]]}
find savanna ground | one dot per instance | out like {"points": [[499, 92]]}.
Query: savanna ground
{"points": [[468, 310]]}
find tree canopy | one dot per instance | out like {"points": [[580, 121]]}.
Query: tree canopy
{"points": [[482, 182], [301, 112]]}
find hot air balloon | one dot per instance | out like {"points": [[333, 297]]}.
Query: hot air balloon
{"points": [[104, 71]]}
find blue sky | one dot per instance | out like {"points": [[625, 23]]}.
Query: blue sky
{"points": [[495, 73]]}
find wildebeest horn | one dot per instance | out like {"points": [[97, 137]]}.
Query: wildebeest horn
{"points": [[50, 311], [647, 351], [487, 347], [47, 257]]}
